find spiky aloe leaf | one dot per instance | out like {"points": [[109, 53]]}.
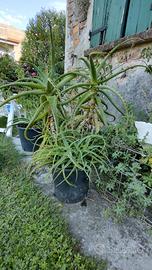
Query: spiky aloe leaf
{"points": [[51, 58], [34, 118], [101, 116], [64, 79], [84, 98], [78, 85], [50, 86], [104, 91], [73, 98], [111, 101], [41, 116], [42, 73], [35, 80], [86, 61], [33, 92], [100, 111], [100, 102], [97, 123], [93, 70], [110, 114], [120, 72], [75, 121], [118, 46], [98, 54], [53, 103], [23, 84], [67, 74]]}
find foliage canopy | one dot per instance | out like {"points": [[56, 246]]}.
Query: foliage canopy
{"points": [[36, 47]]}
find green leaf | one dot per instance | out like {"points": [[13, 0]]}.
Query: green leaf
{"points": [[78, 85], [23, 84], [97, 123], [101, 116], [73, 98], [33, 92], [100, 102], [118, 46], [50, 86], [93, 70], [100, 110], [84, 98], [75, 121], [54, 109], [85, 60], [65, 79], [34, 118], [111, 100], [110, 114], [120, 72]]}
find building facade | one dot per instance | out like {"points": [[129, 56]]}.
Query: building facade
{"points": [[95, 25], [11, 40]]}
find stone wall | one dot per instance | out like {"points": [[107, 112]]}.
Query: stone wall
{"points": [[79, 20], [134, 85]]}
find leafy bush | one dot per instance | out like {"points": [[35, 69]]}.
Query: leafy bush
{"points": [[36, 46], [127, 176], [32, 233], [10, 71]]}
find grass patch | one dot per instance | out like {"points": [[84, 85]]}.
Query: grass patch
{"points": [[9, 156], [33, 236]]}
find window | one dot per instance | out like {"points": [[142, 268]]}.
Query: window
{"points": [[113, 19]]}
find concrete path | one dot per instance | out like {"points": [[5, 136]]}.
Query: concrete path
{"points": [[126, 246]]}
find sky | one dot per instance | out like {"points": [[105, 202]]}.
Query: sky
{"points": [[18, 12]]}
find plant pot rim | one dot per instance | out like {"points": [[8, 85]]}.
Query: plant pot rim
{"points": [[68, 169], [32, 128]]}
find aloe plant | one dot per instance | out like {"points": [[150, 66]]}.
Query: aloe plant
{"points": [[92, 95], [77, 143], [72, 149], [48, 86]]}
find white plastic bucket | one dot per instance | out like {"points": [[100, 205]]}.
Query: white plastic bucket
{"points": [[144, 131]]}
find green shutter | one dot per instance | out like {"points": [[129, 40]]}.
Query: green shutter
{"points": [[109, 14], [120, 17], [139, 16], [98, 21], [115, 19]]}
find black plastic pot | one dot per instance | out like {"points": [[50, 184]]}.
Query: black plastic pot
{"points": [[34, 141], [73, 193]]}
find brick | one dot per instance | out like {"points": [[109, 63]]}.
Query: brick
{"points": [[76, 29], [76, 42], [70, 13], [82, 25]]}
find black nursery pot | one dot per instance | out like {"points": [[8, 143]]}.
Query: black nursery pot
{"points": [[73, 193], [34, 141]]}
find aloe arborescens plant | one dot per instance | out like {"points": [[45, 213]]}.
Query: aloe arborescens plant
{"points": [[92, 96]]}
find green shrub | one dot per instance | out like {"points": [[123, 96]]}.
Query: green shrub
{"points": [[127, 177], [10, 71], [36, 46]]}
